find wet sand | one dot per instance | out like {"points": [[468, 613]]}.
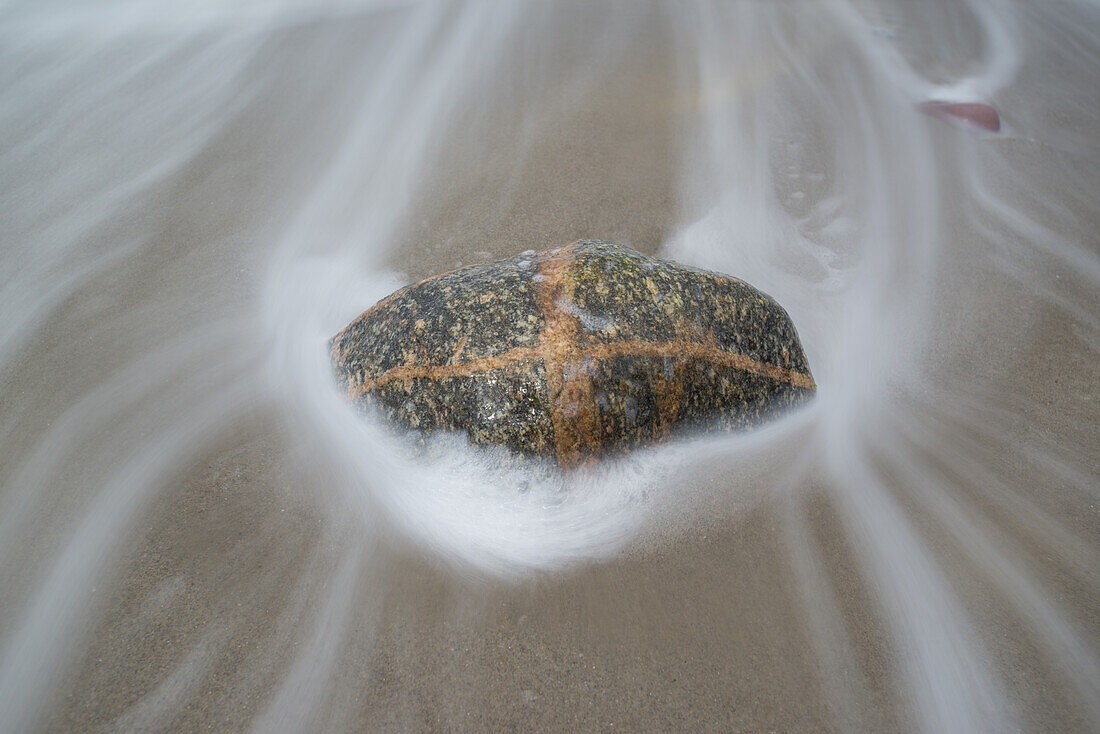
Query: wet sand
{"points": [[217, 605]]}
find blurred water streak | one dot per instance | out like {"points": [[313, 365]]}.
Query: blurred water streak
{"points": [[196, 197]]}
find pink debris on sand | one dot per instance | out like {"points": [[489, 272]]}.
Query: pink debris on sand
{"points": [[973, 113]]}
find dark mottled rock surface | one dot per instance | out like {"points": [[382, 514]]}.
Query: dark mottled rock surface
{"points": [[575, 352]]}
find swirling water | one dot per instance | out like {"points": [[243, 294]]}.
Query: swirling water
{"points": [[195, 530]]}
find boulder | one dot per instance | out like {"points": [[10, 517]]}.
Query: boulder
{"points": [[573, 353]]}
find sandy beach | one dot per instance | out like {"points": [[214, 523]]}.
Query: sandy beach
{"points": [[184, 549]]}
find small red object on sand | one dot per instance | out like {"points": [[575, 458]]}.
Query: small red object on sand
{"points": [[973, 113]]}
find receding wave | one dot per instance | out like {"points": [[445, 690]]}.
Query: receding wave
{"points": [[196, 199]]}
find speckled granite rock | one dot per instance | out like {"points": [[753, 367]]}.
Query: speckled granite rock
{"points": [[574, 352]]}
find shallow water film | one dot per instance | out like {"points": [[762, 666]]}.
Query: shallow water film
{"points": [[197, 531]]}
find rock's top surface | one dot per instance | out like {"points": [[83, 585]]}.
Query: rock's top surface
{"points": [[574, 352]]}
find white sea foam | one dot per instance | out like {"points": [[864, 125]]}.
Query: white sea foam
{"points": [[171, 284]]}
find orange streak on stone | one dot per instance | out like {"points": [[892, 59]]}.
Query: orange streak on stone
{"points": [[461, 347], [570, 393], [707, 352], [676, 348], [578, 406], [669, 394], [405, 373]]}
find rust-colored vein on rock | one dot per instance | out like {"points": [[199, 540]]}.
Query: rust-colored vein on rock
{"points": [[570, 394], [706, 352], [406, 372], [677, 349], [668, 394]]}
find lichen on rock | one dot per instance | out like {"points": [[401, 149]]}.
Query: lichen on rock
{"points": [[575, 352]]}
